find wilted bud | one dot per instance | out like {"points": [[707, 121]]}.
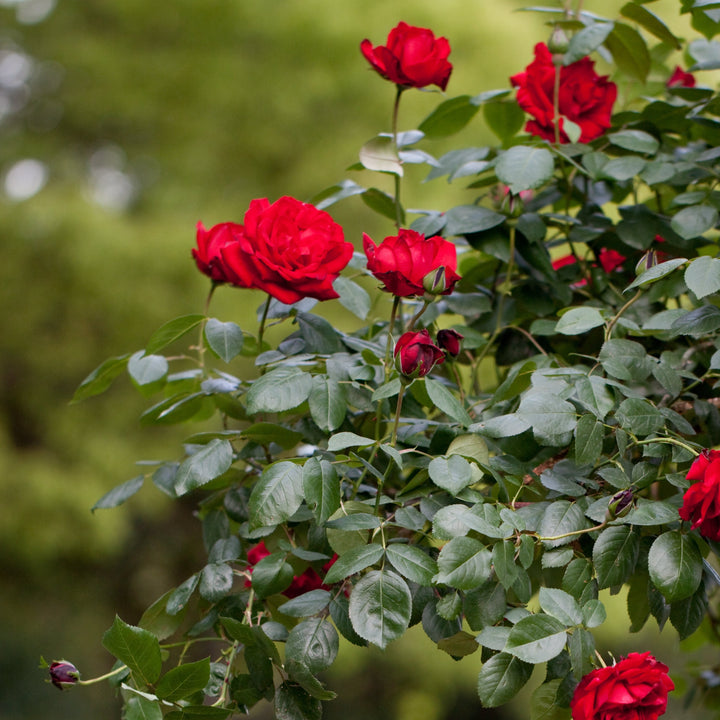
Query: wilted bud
{"points": [[620, 504], [63, 674], [435, 282], [415, 354], [558, 42], [450, 341]]}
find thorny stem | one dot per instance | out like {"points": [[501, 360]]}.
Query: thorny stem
{"points": [[226, 679]]}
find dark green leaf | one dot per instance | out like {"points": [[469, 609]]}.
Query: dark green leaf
{"points": [[353, 561], [504, 118], [581, 645], [446, 401], [451, 473], [702, 276], [319, 335], [586, 41], [636, 140], [321, 486], [655, 273], [464, 563], [216, 580], [118, 495], [536, 639], [182, 681], [412, 563], [560, 518], [702, 320], [615, 554], [171, 331], [277, 495], [629, 51], [328, 403], [265, 433], [589, 435], [449, 117], [281, 389], [382, 203], [691, 222], [205, 465], [503, 554], [137, 648], [560, 605], [224, 338], [180, 596], [294, 703], [101, 378], [579, 320], [142, 708], [675, 566], [652, 23], [314, 643], [525, 167], [301, 674], [466, 219], [307, 604], [352, 296], [501, 678], [639, 416]]}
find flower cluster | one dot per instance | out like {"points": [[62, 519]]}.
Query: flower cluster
{"points": [[701, 502]]}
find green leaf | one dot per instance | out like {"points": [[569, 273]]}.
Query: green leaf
{"points": [[265, 433], [589, 434], [629, 51], [464, 563], [446, 401], [205, 465], [181, 595], [387, 390], [182, 681], [271, 575], [466, 219], [171, 331], [319, 335], [146, 369], [141, 708], [536, 639], [615, 555], [546, 413], [314, 643], [544, 704], [451, 473], [586, 41], [321, 486], [623, 168], [675, 565], [693, 221], [560, 518], [504, 118], [593, 613], [353, 297], [216, 581], [101, 378], [343, 440], [581, 646], [382, 203], [639, 416], [224, 338], [379, 154], [328, 402], [501, 678], [524, 167], [412, 563], [702, 320], [380, 607], [470, 446], [281, 389], [353, 561], [503, 554], [687, 615], [118, 495], [277, 495], [449, 117], [137, 648], [625, 360], [656, 272], [501, 426], [652, 23], [636, 140], [579, 320], [301, 674], [702, 276], [560, 605], [307, 604], [294, 703]]}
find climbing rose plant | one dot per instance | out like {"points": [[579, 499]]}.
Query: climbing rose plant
{"points": [[517, 412]]}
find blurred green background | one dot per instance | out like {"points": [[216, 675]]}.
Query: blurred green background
{"points": [[122, 124]]}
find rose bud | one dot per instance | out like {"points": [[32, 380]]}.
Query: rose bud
{"points": [[558, 42], [415, 354], [450, 341], [620, 504], [435, 282], [63, 674]]}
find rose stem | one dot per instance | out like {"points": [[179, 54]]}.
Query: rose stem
{"points": [[396, 109], [398, 408]]}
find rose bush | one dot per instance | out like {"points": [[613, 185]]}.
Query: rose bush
{"points": [[495, 487]]}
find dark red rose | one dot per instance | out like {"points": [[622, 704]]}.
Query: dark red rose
{"points": [[63, 674], [402, 262], [635, 688], [585, 98], [680, 78], [701, 502], [450, 341], [416, 355], [306, 581], [413, 57], [610, 260], [289, 249], [208, 256]]}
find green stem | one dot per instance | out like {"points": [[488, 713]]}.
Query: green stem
{"points": [[507, 283], [667, 441], [396, 111], [398, 408], [226, 679], [415, 318], [573, 533], [261, 329], [556, 104], [107, 675], [613, 322], [201, 338]]}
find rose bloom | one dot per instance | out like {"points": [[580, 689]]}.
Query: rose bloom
{"points": [[306, 581], [610, 259], [635, 688], [701, 502], [680, 78], [208, 256], [450, 341], [402, 261], [416, 355], [289, 249], [412, 57], [585, 98]]}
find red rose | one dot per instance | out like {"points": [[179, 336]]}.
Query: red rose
{"points": [[415, 354], [680, 78], [306, 581], [413, 57], [701, 502], [450, 341], [635, 688], [289, 249], [610, 260], [585, 98], [402, 261], [208, 256]]}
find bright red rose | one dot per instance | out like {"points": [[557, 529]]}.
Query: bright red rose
{"points": [[635, 688], [416, 355], [610, 260], [701, 502], [450, 341], [306, 581], [208, 256], [585, 98], [401, 262], [680, 78], [289, 249], [413, 57]]}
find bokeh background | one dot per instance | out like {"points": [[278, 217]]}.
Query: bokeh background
{"points": [[122, 124]]}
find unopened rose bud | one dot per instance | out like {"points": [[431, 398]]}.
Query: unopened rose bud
{"points": [[620, 504], [416, 355], [435, 282], [450, 341], [558, 42], [63, 674], [648, 260]]}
